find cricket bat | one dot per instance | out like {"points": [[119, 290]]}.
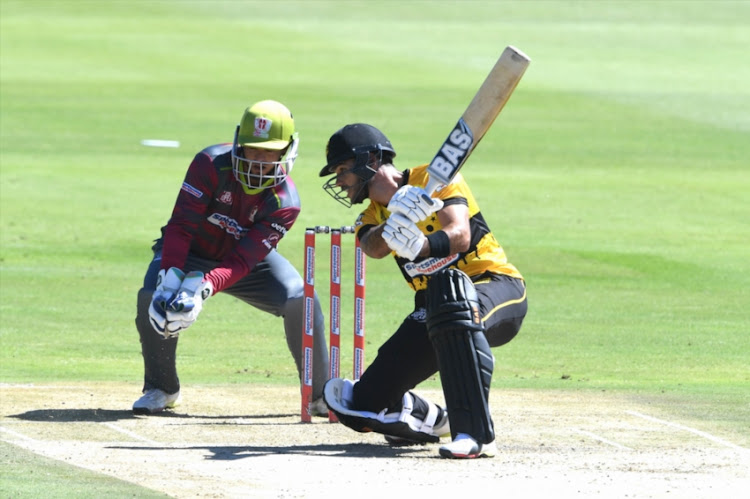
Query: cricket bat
{"points": [[478, 117]]}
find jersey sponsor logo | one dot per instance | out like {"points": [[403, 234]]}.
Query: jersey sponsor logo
{"points": [[429, 266], [278, 228], [191, 190], [226, 197], [453, 153], [230, 225]]}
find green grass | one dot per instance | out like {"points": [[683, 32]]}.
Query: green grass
{"points": [[616, 178], [25, 474]]}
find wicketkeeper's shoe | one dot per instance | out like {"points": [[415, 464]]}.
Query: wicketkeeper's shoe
{"points": [[319, 408], [465, 447], [156, 400]]}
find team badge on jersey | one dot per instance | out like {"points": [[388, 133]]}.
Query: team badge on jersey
{"points": [[262, 127], [226, 197]]}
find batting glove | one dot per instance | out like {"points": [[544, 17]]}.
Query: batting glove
{"points": [[414, 203], [167, 284], [403, 236], [188, 303]]}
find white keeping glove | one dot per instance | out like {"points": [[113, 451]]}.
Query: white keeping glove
{"points": [[414, 202], [188, 303], [403, 236], [167, 284]]}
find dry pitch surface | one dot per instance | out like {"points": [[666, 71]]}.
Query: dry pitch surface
{"points": [[248, 441]]}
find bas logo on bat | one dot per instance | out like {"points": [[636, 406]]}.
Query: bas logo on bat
{"points": [[478, 117], [451, 156]]}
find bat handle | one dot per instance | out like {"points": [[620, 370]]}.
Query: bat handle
{"points": [[432, 185]]}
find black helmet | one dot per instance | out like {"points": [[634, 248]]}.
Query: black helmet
{"points": [[357, 140]]}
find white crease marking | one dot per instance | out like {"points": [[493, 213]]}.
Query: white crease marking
{"points": [[130, 433], [691, 430], [601, 439], [17, 434]]}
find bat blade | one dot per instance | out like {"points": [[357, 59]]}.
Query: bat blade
{"points": [[478, 117]]}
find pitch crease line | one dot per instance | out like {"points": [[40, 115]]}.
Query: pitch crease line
{"points": [[130, 433], [37, 387], [601, 439], [18, 435], [691, 430]]}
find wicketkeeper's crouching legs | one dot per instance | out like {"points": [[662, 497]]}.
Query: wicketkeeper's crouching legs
{"points": [[294, 313], [274, 287], [160, 369]]}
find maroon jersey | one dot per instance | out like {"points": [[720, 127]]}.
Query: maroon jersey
{"points": [[214, 218]]}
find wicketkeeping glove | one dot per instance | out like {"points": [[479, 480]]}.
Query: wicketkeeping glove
{"points": [[414, 202], [403, 236], [167, 284], [184, 309]]}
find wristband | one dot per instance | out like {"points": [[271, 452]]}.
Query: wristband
{"points": [[440, 244]]}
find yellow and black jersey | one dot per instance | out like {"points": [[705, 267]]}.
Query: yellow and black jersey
{"points": [[484, 254]]}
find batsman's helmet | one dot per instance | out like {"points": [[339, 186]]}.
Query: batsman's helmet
{"points": [[357, 141], [265, 125]]}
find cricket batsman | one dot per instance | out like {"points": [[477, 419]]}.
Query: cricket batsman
{"points": [[236, 203], [468, 299]]}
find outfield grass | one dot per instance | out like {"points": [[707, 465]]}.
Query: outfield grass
{"points": [[25, 474], [616, 178]]}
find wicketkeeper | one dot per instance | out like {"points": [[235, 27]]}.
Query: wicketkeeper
{"points": [[468, 299], [236, 203]]}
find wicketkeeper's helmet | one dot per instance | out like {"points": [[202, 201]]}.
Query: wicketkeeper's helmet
{"points": [[265, 125]]}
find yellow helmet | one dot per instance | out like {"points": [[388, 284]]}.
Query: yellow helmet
{"points": [[265, 125]]}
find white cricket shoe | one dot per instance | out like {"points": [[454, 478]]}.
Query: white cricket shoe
{"points": [[465, 447], [319, 408], [156, 400]]}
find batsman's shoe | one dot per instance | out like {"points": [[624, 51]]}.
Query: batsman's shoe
{"points": [[442, 429], [339, 395], [156, 400], [465, 447]]}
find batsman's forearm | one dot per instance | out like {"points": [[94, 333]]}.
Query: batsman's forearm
{"points": [[372, 243]]}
